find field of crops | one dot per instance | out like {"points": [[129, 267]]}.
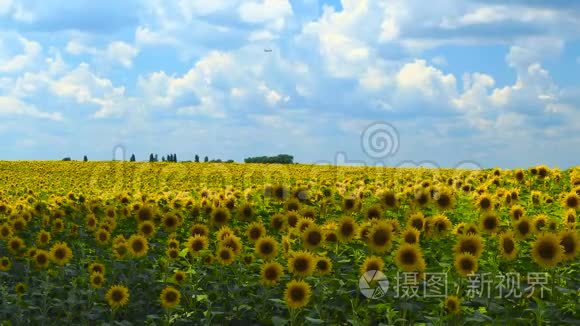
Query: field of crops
{"points": [[194, 243]]}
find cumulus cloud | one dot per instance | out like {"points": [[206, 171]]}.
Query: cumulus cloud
{"points": [[13, 106]]}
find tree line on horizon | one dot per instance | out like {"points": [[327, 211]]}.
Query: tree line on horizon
{"points": [[278, 159]]}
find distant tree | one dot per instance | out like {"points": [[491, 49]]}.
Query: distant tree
{"points": [[278, 159], [162, 158], [174, 157], [66, 159], [206, 159], [132, 159], [151, 158], [230, 161], [156, 158], [85, 159], [196, 158]]}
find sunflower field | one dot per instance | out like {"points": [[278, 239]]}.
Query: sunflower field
{"points": [[90, 243]]}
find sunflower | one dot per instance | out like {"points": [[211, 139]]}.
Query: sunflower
{"points": [[297, 294], [411, 235], [484, 202], [96, 280], [145, 213], [280, 192], [312, 237], [41, 259], [278, 221], [540, 222], [97, 268], [138, 245], [219, 217], [248, 259], [292, 218], [303, 224], [570, 217], [409, 258], [170, 297], [570, 243], [422, 197], [380, 237], [20, 289], [179, 277], [469, 243], [102, 236], [507, 246], [196, 244], [255, 231], [440, 225], [224, 232], [546, 250], [516, 212], [416, 220], [117, 296], [270, 273], [172, 242], [489, 222], [5, 231], [233, 242], [16, 245], [389, 199], [146, 229], [5, 264], [292, 204], [324, 265], [171, 222], [374, 212], [347, 228], [372, 263], [349, 204], [444, 198], [465, 264], [19, 224], [523, 228], [519, 174], [225, 255], [266, 248], [301, 263], [120, 250], [199, 229], [60, 253], [452, 305], [245, 212]]}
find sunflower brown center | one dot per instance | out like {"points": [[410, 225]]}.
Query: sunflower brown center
{"points": [[314, 238], [297, 294], [380, 237], [466, 264], [508, 245], [346, 229], [117, 295], [271, 273], [301, 264], [546, 250], [408, 257]]}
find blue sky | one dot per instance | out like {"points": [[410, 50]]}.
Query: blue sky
{"points": [[493, 82]]}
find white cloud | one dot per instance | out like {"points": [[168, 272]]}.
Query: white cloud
{"points": [[5, 6], [13, 106], [428, 80], [31, 53], [265, 11], [75, 47], [116, 52], [122, 53]]}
